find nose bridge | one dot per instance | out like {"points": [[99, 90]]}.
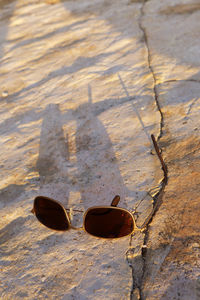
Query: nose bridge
{"points": [[75, 219], [77, 228]]}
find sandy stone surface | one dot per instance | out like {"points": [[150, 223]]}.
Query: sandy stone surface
{"points": [[172, 257], [83, 85]]}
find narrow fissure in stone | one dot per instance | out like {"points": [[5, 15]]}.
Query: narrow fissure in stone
{"points": [[137, 284], [142, 28], [156, 205]]}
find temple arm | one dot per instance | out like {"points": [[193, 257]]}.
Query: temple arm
{"points": [[115, 201]]}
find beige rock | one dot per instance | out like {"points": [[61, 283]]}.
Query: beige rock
{"points": [[83, 85], [171, 267], [173, 39]]}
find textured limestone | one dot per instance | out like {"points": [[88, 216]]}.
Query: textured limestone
{"points": [[172, 257], [82, 86], [173, 244], [173, 37]]}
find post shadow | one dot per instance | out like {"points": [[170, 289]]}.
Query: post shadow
{"points": [[98, 174], [10, 193], [4, 27], [6, 19], [53, 149]]}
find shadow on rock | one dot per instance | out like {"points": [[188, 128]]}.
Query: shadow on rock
{"points": [[53, 150], [98, 176], [11, 193], [11, 231]]}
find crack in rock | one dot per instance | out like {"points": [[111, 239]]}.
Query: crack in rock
{"points": [[149, 59], [136, 257]]}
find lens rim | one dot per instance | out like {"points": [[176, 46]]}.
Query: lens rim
{"points": [[57, 202], [112, 207]]}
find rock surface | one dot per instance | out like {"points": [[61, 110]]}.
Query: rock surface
{"points": [[83, 85]]}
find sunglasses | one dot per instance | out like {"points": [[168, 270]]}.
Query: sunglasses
{"points": [[99, 221]]}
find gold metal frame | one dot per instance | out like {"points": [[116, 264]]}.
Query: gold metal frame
{"points": [[113, 207], [84, 216]]}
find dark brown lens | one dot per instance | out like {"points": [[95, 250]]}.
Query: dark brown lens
{"points": [[50, 213], [108, 222]]}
